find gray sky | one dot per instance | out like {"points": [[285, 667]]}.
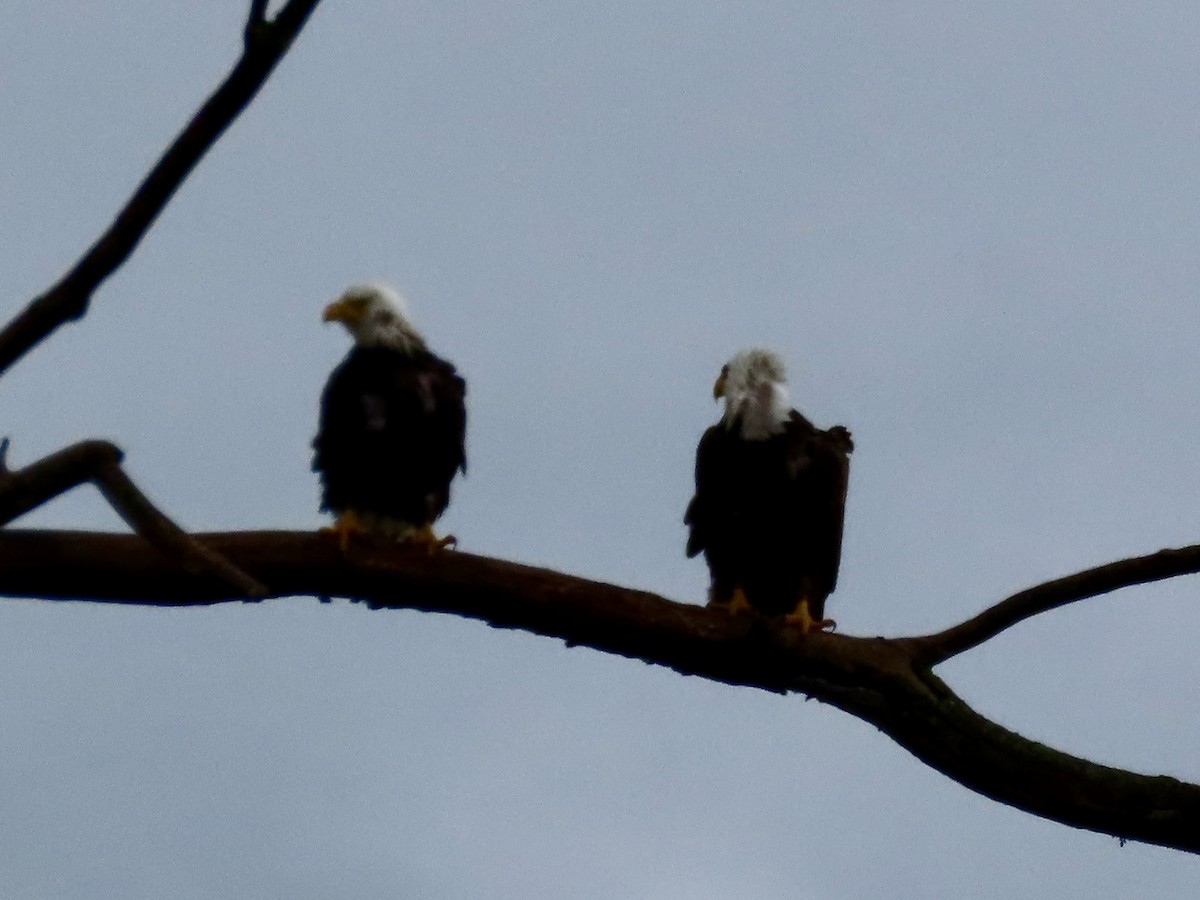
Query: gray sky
{"points": [[971, 232]]}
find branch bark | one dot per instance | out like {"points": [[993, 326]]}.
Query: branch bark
{"points": [[266, 42], [884, 681]]}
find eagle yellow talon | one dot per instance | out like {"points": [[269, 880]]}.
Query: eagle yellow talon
{"points": [[425, 537], [802, 619], [736, 604], [346, 526]]}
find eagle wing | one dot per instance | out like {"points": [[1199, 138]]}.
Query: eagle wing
{"points": [[712, 498], [820, 461]]}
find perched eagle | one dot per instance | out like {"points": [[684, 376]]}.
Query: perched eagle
{"points": [[392, 425], [770, 498]]}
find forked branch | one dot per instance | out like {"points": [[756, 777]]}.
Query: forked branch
{"points": [[881, 681], [99, 462], [266, 41]]}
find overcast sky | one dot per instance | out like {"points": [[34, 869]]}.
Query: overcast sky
{"points": [[969, 230]]}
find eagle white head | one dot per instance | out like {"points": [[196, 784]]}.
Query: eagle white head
{"points": [[376, 316], [754, 385]]}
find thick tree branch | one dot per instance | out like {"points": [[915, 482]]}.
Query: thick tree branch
{"points": [[99, 462], [882, 681], [935, 648], [266, 42]]}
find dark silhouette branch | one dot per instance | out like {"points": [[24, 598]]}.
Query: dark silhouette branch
{"points": [[935, 648], [99, 462], [885, 682], [266, 42]]}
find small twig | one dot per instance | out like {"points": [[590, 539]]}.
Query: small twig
{"points": [[69, 298], [100, 463], [936, 648], [258, 12], [255, 21]]}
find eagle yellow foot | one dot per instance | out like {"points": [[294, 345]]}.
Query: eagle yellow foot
{"points": [[346, 526], [735, 604], [425, 537], [803, 619]]}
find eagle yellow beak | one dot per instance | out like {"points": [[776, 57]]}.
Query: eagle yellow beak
{"points": [[719, 385], [344, 310]]}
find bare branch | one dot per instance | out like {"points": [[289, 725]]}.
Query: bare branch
{"points": [[26, 489], [266, 44], [935, 648], [100, 463], [881, 681]]}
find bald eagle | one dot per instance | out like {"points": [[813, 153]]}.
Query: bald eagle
{"points": [[770, 498], [392, 425]]}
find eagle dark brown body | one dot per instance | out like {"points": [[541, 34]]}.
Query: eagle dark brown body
{"points": [[768, 514], [391, 435]]}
